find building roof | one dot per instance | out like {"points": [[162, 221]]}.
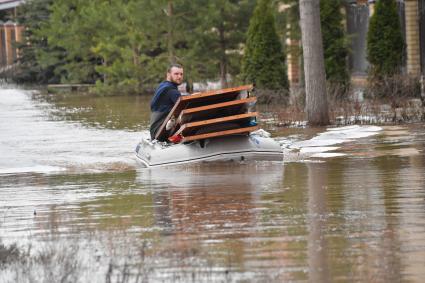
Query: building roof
{"points": [[9, 4]]}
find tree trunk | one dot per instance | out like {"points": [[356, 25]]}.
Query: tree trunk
{"points": [[170, 34], [223, 58], [223, 61], [314, 65]]}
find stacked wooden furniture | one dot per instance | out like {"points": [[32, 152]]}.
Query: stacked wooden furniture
{"points": [[211, 114]]}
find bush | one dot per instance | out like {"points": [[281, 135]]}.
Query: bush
{"points": [[264, 61], [8, 254], [384, 40], [268, 96], [334, 43], [395, 87]]}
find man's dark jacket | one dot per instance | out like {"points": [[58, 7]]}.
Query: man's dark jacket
{"points": [[166, 95]]}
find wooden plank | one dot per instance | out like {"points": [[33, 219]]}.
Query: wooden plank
{"points": [[209, 97], [219, 105], [246, 130], [216, 92], [212, 107], [195, 125]]}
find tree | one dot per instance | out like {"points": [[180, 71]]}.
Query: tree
{"points": [[334, 42], [33, 14], [384, 40], [215, 33], [118, 45], [129, 42], [314, 66], [124, 46], [71, 37], [264, 61]]}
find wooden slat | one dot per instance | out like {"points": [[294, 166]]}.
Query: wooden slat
{"points": [[219, 105], [215, 121], [183, 101], [214, 107], [220, 134], [216, 92]]}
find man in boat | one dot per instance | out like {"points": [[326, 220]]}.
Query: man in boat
{"points": [[166, 95]]}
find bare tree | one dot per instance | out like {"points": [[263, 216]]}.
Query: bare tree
{"points": [[314, 65]]}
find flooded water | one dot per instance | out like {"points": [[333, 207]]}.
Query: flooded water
{"points": [[345, 204]]}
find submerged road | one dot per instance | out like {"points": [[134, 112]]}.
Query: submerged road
{"points": [[345, 204]]}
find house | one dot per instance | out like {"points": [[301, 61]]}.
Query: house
{"points": [[358, 12], [10, 32]]}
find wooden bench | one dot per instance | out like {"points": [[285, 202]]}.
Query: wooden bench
{"points": [[211, 114], [202, 99]]}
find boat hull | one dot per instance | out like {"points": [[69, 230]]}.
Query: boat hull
{"points": [[237, 148]]}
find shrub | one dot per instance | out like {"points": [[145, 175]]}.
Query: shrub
{"points": [[384, 40], [264, 61], [334, 43], [395, 87], [8, 254]]}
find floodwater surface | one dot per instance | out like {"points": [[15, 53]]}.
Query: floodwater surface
{"points": [[345, 204]]}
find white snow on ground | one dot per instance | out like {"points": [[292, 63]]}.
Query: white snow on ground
{"points": [[335, 136], [321, 145], [31, 169]]}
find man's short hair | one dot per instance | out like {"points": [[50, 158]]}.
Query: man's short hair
{"points": [[174, 65]]}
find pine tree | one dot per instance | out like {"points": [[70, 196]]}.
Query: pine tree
{"points": [[215, 32], [334, 42], [119, 45], [33, 14], [68, 32], [384, 40], [129, 44], [264, 61], [124, 46]]}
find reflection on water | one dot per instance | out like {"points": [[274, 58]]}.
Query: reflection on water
{"points": [[66, 175], [33, 140], [110, 112], [316, 216]]}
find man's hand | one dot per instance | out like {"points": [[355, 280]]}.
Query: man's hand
{"points": [[170, 124]]}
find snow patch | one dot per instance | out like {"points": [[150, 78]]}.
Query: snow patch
{"points": [[32, 169], [320, 145]]}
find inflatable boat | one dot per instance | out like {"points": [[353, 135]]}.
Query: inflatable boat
{"points": [[257, 145]]}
